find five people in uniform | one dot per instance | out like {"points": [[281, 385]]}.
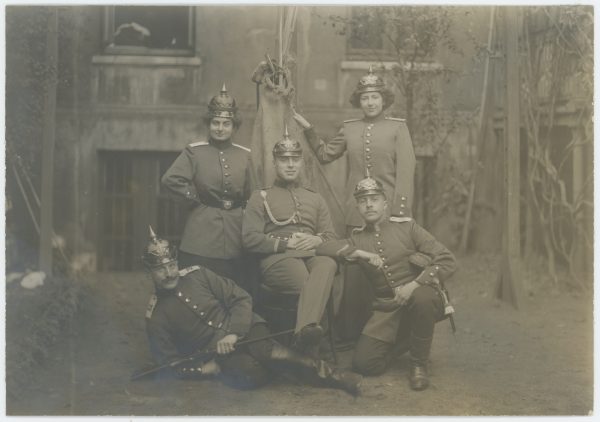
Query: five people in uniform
{"points": [[392, 296]]}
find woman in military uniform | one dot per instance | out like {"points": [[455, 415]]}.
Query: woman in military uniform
{"points": [[214, 177], [377, 146]]}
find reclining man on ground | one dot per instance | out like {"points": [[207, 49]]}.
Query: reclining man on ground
{"points": [[194, 309], [406, 266], [283, 224]]}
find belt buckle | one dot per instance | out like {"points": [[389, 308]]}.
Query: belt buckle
{"points": [[227, 204]]}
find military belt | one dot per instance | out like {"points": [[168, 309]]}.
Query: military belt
{"points": [[225, 204]]}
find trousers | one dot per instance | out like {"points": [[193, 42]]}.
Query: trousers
{"points": [[311, 278], [355, 301], [248, 367], [415, 326]]}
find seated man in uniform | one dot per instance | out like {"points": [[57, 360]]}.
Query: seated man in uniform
{"points": [[406, 266], [195, 309], [283, 224]]}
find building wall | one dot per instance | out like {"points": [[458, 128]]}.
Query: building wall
{"points": [[152, 103]]}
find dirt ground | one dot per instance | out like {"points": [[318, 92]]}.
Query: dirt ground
{"points": [[536, 361]]}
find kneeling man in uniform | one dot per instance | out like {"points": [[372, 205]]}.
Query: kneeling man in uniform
{"points": [[194, 309], [406, 266]]}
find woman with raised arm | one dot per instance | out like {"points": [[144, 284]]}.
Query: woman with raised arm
{"points": [[377, 146]]}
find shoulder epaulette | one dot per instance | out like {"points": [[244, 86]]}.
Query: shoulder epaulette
{"points": [[199, 143], [395, 119], [242, 147], [151, 306], [186, 271], [352, 120]]}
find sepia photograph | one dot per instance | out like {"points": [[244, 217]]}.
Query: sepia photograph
{"points": [[299, 209]]}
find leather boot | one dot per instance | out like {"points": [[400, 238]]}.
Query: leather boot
{"points": [[332, 377], [308, 338], [419, 355]]}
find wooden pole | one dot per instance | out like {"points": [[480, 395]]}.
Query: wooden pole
{"points": [[46, 223], [509, 280], [484, 115]]}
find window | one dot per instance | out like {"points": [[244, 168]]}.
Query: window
{"points": [[365, 37], [149, 30]]}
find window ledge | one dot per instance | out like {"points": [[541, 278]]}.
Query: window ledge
{"points": [[146, 60], [388, 65]]}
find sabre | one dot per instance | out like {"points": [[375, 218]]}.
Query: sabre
{"points": [[144, 372]]}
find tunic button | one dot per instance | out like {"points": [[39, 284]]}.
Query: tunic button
{"points": [[368, 133], [376, 234], [389, 274], [226, 166], [379, 242], [368, 157], [401, 212], [210, 323], [383, 258], [402, 205], [192, 369], [195, 306], [201, 313], [179, 294], [225, 191], [368, 141], [368, 149], [221, 152], [403, 198], [369, 166], [437, 267], [187, 300], [223, 159], [380, 250], [227, 175], [386, 266], [431, 274]]}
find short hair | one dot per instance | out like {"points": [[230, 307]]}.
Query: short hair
{"points": [[237, 120], [387, 96]]}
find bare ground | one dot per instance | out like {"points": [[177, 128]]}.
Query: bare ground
{"points": [[535, 361]]}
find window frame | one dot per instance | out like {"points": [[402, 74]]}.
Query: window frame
{"points": [[384, 53], [108, 31]]}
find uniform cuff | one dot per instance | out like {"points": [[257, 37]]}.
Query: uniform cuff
{"points": [[428, 275], [280, 246]]}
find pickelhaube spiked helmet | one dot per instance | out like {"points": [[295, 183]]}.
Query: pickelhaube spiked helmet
{"points": [[287, 147], [370, 83], [158, 251], [368, 186], [222, 105]]}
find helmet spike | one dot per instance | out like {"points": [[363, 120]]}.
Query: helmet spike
{"points": [[224, 88], [152, 234], [370, 69], [286, 135]]}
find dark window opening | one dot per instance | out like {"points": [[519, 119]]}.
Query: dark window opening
{"points": [[149, 30]]}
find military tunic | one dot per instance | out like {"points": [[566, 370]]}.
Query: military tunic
{"points": [[395, 243], [200, 311], [214, 176], [381, 147], [296, 209]]}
